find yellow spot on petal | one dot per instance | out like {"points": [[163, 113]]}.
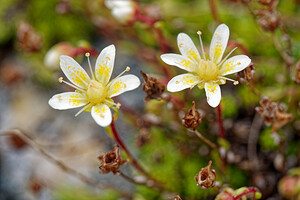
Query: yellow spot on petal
{"points": [[193, 55]]}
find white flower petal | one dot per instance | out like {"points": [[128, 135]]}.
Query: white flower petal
{"points": [[187, 47], [68, 100], [182, 82], [74, 72], [179, 61], [105, 64], [102, 115], [111, 4], [235, 64], [213, 94], [123, 84], [123, 14], [219, 43]]}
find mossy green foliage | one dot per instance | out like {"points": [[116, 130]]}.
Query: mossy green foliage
{"points": [[69, 193]]}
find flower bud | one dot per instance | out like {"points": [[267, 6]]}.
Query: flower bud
{"points": [[226, 194], [289, 186]]}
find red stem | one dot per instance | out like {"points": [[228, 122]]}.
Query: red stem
{"points": [[220, 121], [214, 11], [250, 190], [123, 146], [133, 160]]}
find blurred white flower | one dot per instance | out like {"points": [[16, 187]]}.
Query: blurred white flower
{"points": [[51, 59], [207, 73], [122, 10], [95, 93]]}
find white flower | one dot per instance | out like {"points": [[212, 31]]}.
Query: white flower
{"points": [[51, 59], [207, 73], [95, 93], [122, 10]]}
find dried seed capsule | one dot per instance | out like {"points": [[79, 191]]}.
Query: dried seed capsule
{"points": [[111, 161], [193, 118], [206, 177], [152, 87]]}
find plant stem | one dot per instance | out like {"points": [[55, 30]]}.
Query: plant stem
{"points": [[131, 180], [208, 142], [250, 190], [130, 156], [220, 122], [30, 141], [214, 11]]}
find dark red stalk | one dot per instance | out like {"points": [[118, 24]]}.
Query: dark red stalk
{"points": [[250, 190], [214, 11], [220, 121], [123, 146], [133, 160]]}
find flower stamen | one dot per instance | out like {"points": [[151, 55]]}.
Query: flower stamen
{"points": [[201, 44], [229, 79], [117, 105], [227, 56], [82, 109], [90, 66], [126, 70], [70, 84]]}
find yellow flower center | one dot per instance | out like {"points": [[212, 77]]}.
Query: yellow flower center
{"points": [[208, 70], [96, 92]]}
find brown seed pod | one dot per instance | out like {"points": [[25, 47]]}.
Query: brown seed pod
{"points": [[193, 118], [152, 87], [273, 113], [111, 161], [206, 177]]}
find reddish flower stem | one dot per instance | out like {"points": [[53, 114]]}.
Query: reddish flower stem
{"points": [[123, 146], [250, 190], [118, 139], [214, 11], [220, 121]]}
